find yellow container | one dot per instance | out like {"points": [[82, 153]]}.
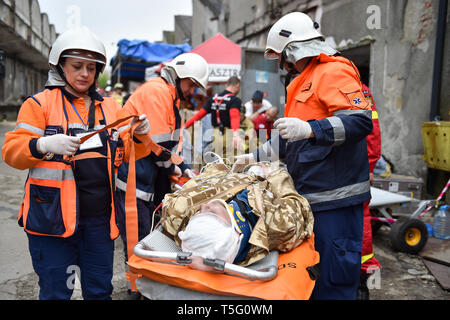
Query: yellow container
{"points": [[436, 140]]}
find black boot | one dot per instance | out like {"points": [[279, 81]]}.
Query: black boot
{"points": [[363, 290], [133, 295]]}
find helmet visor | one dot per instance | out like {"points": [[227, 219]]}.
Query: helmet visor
{"points": [[269, 54], [84, 55]]}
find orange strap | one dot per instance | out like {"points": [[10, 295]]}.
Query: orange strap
{"points": [[87, 155], [115, 124], [150, 144], [131, 214]]}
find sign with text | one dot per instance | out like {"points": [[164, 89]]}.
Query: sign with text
{"points": [[222, 72]]}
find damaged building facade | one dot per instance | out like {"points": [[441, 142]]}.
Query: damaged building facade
{"points": [[25, 40], [393, 43]]}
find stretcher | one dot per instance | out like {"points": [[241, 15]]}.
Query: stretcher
{"points": [[162, 271], [166, 274]]}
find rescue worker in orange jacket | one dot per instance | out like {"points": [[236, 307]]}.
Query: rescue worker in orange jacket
{"points": [[159, 99], [322, 140], [369, 263], [68, 210]]}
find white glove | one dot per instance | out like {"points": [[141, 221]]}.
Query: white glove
{"points": [[188, 173], [242, 161], [177, 171], [293, 129], [237, 140], [143, 127], [58, 144]]}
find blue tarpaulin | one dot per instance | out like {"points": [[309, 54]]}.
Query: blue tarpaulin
{"points": [[137, 55]]}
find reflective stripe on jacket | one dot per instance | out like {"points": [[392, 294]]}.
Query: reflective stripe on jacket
{"points": [[51, 202], [330, 170]]}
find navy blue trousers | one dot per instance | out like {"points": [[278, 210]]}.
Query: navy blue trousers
{"points": [[338, 239], [89, 253], [145, 211]]}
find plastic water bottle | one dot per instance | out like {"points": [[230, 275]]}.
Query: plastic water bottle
{"points": [[442, 223]]}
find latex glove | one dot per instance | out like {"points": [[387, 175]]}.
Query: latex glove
{"points": [[242, 161], [293, 129], [58, 144], [143, 127], [177, 171], [188, 173], [237, 140]]}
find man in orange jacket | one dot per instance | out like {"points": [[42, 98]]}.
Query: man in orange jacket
{"points": [[322, 139], [159, 99]]}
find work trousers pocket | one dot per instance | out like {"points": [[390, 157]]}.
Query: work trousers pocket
{"points": [[45, 213], [346, 262]]}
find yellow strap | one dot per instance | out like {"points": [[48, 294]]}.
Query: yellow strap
{"points": [[366, 257], [374, 115]]}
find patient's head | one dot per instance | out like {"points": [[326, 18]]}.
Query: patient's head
{"points": [[211, 233], [217, 207]]}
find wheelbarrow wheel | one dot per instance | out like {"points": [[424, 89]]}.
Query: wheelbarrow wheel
{"points": [[408, 235]]}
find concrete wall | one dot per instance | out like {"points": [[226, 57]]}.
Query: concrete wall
{"points": [[26, 37], [203, 28], [402, 52], [183, 27], [445, 92], [401, 36]]}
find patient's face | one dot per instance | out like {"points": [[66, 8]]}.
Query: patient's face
{"points": [[217, 208]]}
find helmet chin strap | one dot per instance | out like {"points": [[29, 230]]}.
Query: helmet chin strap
{"points": [[180, 92]]}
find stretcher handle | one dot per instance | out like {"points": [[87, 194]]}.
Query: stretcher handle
{"points": [[265, 274], [182, 258]]}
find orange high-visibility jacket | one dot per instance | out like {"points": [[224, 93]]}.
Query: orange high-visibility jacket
{"points": [[158, 100], [330, 170], [50, 205]]}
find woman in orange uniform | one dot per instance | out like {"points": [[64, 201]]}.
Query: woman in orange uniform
{"points": [[68, 209]]}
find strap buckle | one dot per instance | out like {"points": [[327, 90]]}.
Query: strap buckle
{"points": [[314, 272]]}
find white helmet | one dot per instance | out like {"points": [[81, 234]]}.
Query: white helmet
{"points": [[78, 39], [295, 26], [193, 66]]}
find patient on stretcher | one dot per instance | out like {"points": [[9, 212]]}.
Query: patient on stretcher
{"points": [[220, 230], [237, 217]]}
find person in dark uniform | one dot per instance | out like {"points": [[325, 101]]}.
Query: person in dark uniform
{"points": [[225, 118]]}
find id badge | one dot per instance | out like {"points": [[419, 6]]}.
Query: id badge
{"points": [[92, 143]]}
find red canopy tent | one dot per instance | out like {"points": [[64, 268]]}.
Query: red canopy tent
{"points": [[223, 57]]}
